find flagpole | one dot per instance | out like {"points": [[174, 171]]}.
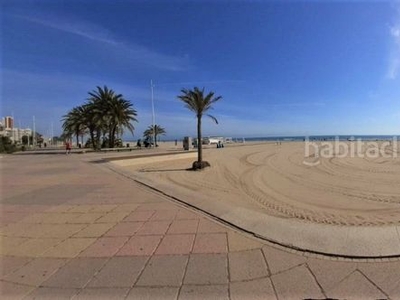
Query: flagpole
{"points": [[34, 133]]}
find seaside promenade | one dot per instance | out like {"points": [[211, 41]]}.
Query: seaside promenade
{"points": [[73, 228]]}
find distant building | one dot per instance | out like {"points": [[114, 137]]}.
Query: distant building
{"points": [[9, 122], [15, 134]]}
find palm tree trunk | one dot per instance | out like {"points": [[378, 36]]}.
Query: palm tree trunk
{"points": [[92, 138], [199, 140], [77, 138]]}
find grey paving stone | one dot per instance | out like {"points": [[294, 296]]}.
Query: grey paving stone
{"points": [[119, 272], [164, 270], [153, 293], [76, 273], [258, 289], [13, 291], [297, 283], [329, 273], [395, 293], [45, 293], [207, 269], [102, 293], [279, 260], [247, 265], [9, 264], [356, 286], [200, 292], [36, 271], [385, 275]]}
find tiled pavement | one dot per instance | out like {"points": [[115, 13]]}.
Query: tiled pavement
{"points": [[73, 229]]}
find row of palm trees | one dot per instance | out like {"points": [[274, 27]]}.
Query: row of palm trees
{"points": [[106, 114]]}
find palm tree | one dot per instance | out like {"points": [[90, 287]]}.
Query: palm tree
{"points": [[153, 132], [196, 102], [74, 123], [113, 112]]}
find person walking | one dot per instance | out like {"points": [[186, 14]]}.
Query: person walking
{"points": [[67, 147]]}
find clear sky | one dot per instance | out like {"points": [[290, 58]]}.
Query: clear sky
{"points": [[282, 68]]}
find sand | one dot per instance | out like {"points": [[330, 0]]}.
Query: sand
{"points": [[278, 180]]}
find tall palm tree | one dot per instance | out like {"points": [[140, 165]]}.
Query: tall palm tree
{"points": [[153, 131], [113, 111], [74, 123], [196, 101]]}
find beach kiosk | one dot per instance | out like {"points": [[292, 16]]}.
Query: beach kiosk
{"points": [[187, 142]]}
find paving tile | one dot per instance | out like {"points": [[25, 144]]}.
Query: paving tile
{"points": [[164, 215], [125, 229], [183, 226], [156, 206], [35, 247], [113, 217], [239, 242], [153, 293], [60, 208], [9, 264], [69, 248], [296, 283], [156, 227], [139, 216], [103, 208], [9, 244], [102, 293], [94, 230], [86, 218], [279, 261], [44, 293], [330, 273], [210, 243], [12, 217], [140, 245], [385, 275], [36, 271], [119, 272], [26, 230], [165, 270], [176, 244], [258, 289], [199, 292], [247, 265], [207, 269], [356, 286], [64, 230], [126, 207], [12, 291], [395, 293], [76, 273], [184, 214], [207, 226], [104, 247], [58, 218], [81, 208]]}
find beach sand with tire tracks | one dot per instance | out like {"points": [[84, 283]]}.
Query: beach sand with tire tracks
{"points": [[276, 180]]}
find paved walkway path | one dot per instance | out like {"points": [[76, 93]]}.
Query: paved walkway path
{"points": [[74, 229]]}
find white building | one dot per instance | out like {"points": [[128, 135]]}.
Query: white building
{"points": [[15, 134]]}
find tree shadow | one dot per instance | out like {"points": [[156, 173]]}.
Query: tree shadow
{"points": [[163, 170]]}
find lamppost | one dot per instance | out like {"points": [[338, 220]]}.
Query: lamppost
{"points": [[153, 115]]}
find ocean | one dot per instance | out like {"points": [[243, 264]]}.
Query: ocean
{"points": [[320, 138]]}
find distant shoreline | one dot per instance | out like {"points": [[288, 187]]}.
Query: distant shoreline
{"points": [[297, 138]]}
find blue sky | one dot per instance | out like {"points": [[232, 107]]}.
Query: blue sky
{"points": [[282, 68]]}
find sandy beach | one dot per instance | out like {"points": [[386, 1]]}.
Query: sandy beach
{"points": [[277, 180]]}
